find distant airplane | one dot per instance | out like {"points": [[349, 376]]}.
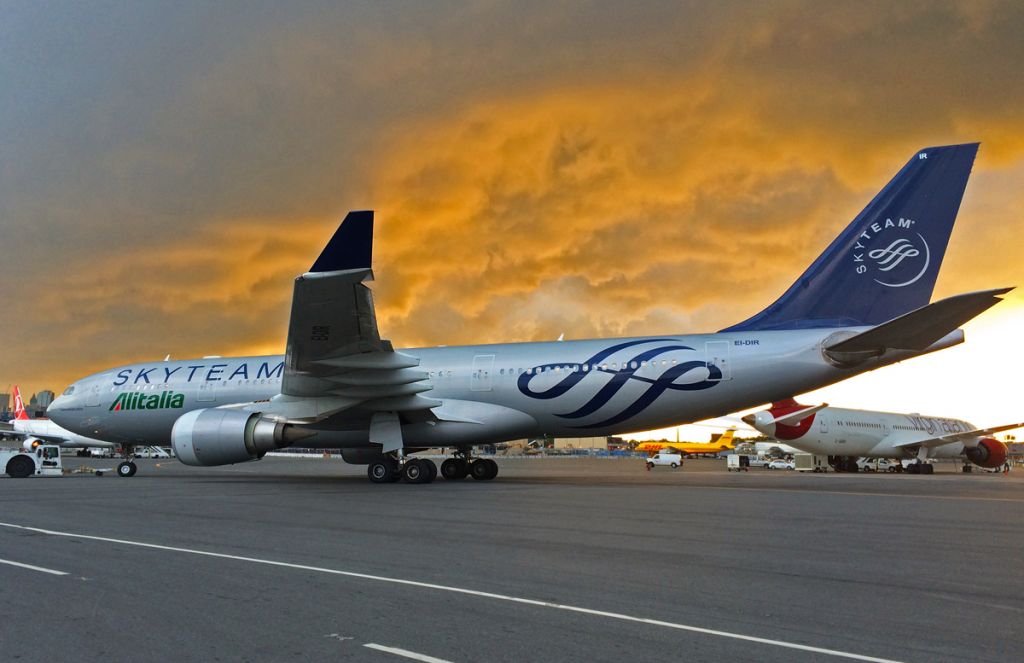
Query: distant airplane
{"points": [[34, 431], [862, 304], [723, 443], [846, 435]]}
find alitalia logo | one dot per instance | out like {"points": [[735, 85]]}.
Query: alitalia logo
{"points": [[139, 401]]}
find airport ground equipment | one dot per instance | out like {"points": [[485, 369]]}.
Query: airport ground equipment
{"points": [[737, 462], [665, 459], [810, 463], [43, 460]]}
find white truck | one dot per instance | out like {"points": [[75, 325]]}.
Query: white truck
{"points": [[44, 461], [669, 458]]}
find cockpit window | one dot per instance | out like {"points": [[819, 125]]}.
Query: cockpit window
{"points": [[70, 390]]}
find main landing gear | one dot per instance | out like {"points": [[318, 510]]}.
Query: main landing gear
{"points": [[390, 469], [463, 464]]}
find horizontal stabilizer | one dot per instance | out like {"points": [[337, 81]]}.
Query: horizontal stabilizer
{"points": [[920, 328]]}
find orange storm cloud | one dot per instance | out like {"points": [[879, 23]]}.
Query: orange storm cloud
{"points": [[605, 187]]}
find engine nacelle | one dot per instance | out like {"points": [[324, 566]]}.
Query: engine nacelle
{"points": [[989, 453], [220, 437], [31, 443]]}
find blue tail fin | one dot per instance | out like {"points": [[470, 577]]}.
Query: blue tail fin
{"points": [[886, 261]]}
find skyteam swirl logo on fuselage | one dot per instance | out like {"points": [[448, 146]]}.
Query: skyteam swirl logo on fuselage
{"points": [[619, 378]]}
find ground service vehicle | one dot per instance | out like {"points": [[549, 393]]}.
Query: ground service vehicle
{"points": [[779, 464], [738, 462], [810, 463], [879, 465], [668, 458], [44, 460]]}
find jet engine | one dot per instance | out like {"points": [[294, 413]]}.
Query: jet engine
{"points": [[220, 437], [989, 453]]}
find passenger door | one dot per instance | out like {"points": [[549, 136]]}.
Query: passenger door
{"points": [[483, 366]]}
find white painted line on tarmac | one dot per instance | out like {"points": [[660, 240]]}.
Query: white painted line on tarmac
{"points": [[468, 592], [33, 568], [405, 653]]}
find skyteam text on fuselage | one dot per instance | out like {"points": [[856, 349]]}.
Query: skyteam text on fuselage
{"points": [[864, 303]]}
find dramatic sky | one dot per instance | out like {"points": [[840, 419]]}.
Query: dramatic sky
{"points": [[592, 169]]}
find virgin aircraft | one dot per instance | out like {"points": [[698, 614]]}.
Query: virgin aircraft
{"points": [[863, 304], [34, 431], [846, 435]]}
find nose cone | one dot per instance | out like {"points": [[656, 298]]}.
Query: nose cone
{"points": [[58, 409], [762, 421]]}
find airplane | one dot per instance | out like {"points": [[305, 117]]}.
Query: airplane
{"points": [[35, 431], [862, 304], [845, 435], [723, 443]]}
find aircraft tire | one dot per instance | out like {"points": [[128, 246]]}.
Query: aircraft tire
{"points": [[454, 469], [126, 469], [483, 469], [20, 467], [432, 467], [381, 471], [415, 471], [927, 469]]}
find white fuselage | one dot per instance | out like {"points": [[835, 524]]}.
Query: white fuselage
{"points": [[492, 393], [871, 434]]}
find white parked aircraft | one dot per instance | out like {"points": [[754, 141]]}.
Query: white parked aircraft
{"points": [[35, 431], [845, 435], [861, 305]]}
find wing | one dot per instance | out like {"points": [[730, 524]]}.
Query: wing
{"points": [[10, 432], [938, 441], [335, 358]]}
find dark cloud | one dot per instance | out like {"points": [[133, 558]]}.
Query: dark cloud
{"points": [[590, 168]]}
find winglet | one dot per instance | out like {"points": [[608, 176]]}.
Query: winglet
{"points": [[351, 247]]}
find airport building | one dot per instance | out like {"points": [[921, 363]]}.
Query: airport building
{"points": [[44, 398]]}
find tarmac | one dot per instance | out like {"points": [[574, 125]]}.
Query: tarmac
{"points": [[558, 559]]}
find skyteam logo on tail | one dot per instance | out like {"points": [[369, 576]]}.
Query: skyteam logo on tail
{"points": [[138, 401], [701, 374], [894, 259]]}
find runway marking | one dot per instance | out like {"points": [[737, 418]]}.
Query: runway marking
{"points": [[33, 568], [405, 653], [956, 498], [467, 592]]}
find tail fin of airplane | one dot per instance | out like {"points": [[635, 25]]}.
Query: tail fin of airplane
{"points": [[19, 405], [726, 439], [886, 261], [351, 247]]}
